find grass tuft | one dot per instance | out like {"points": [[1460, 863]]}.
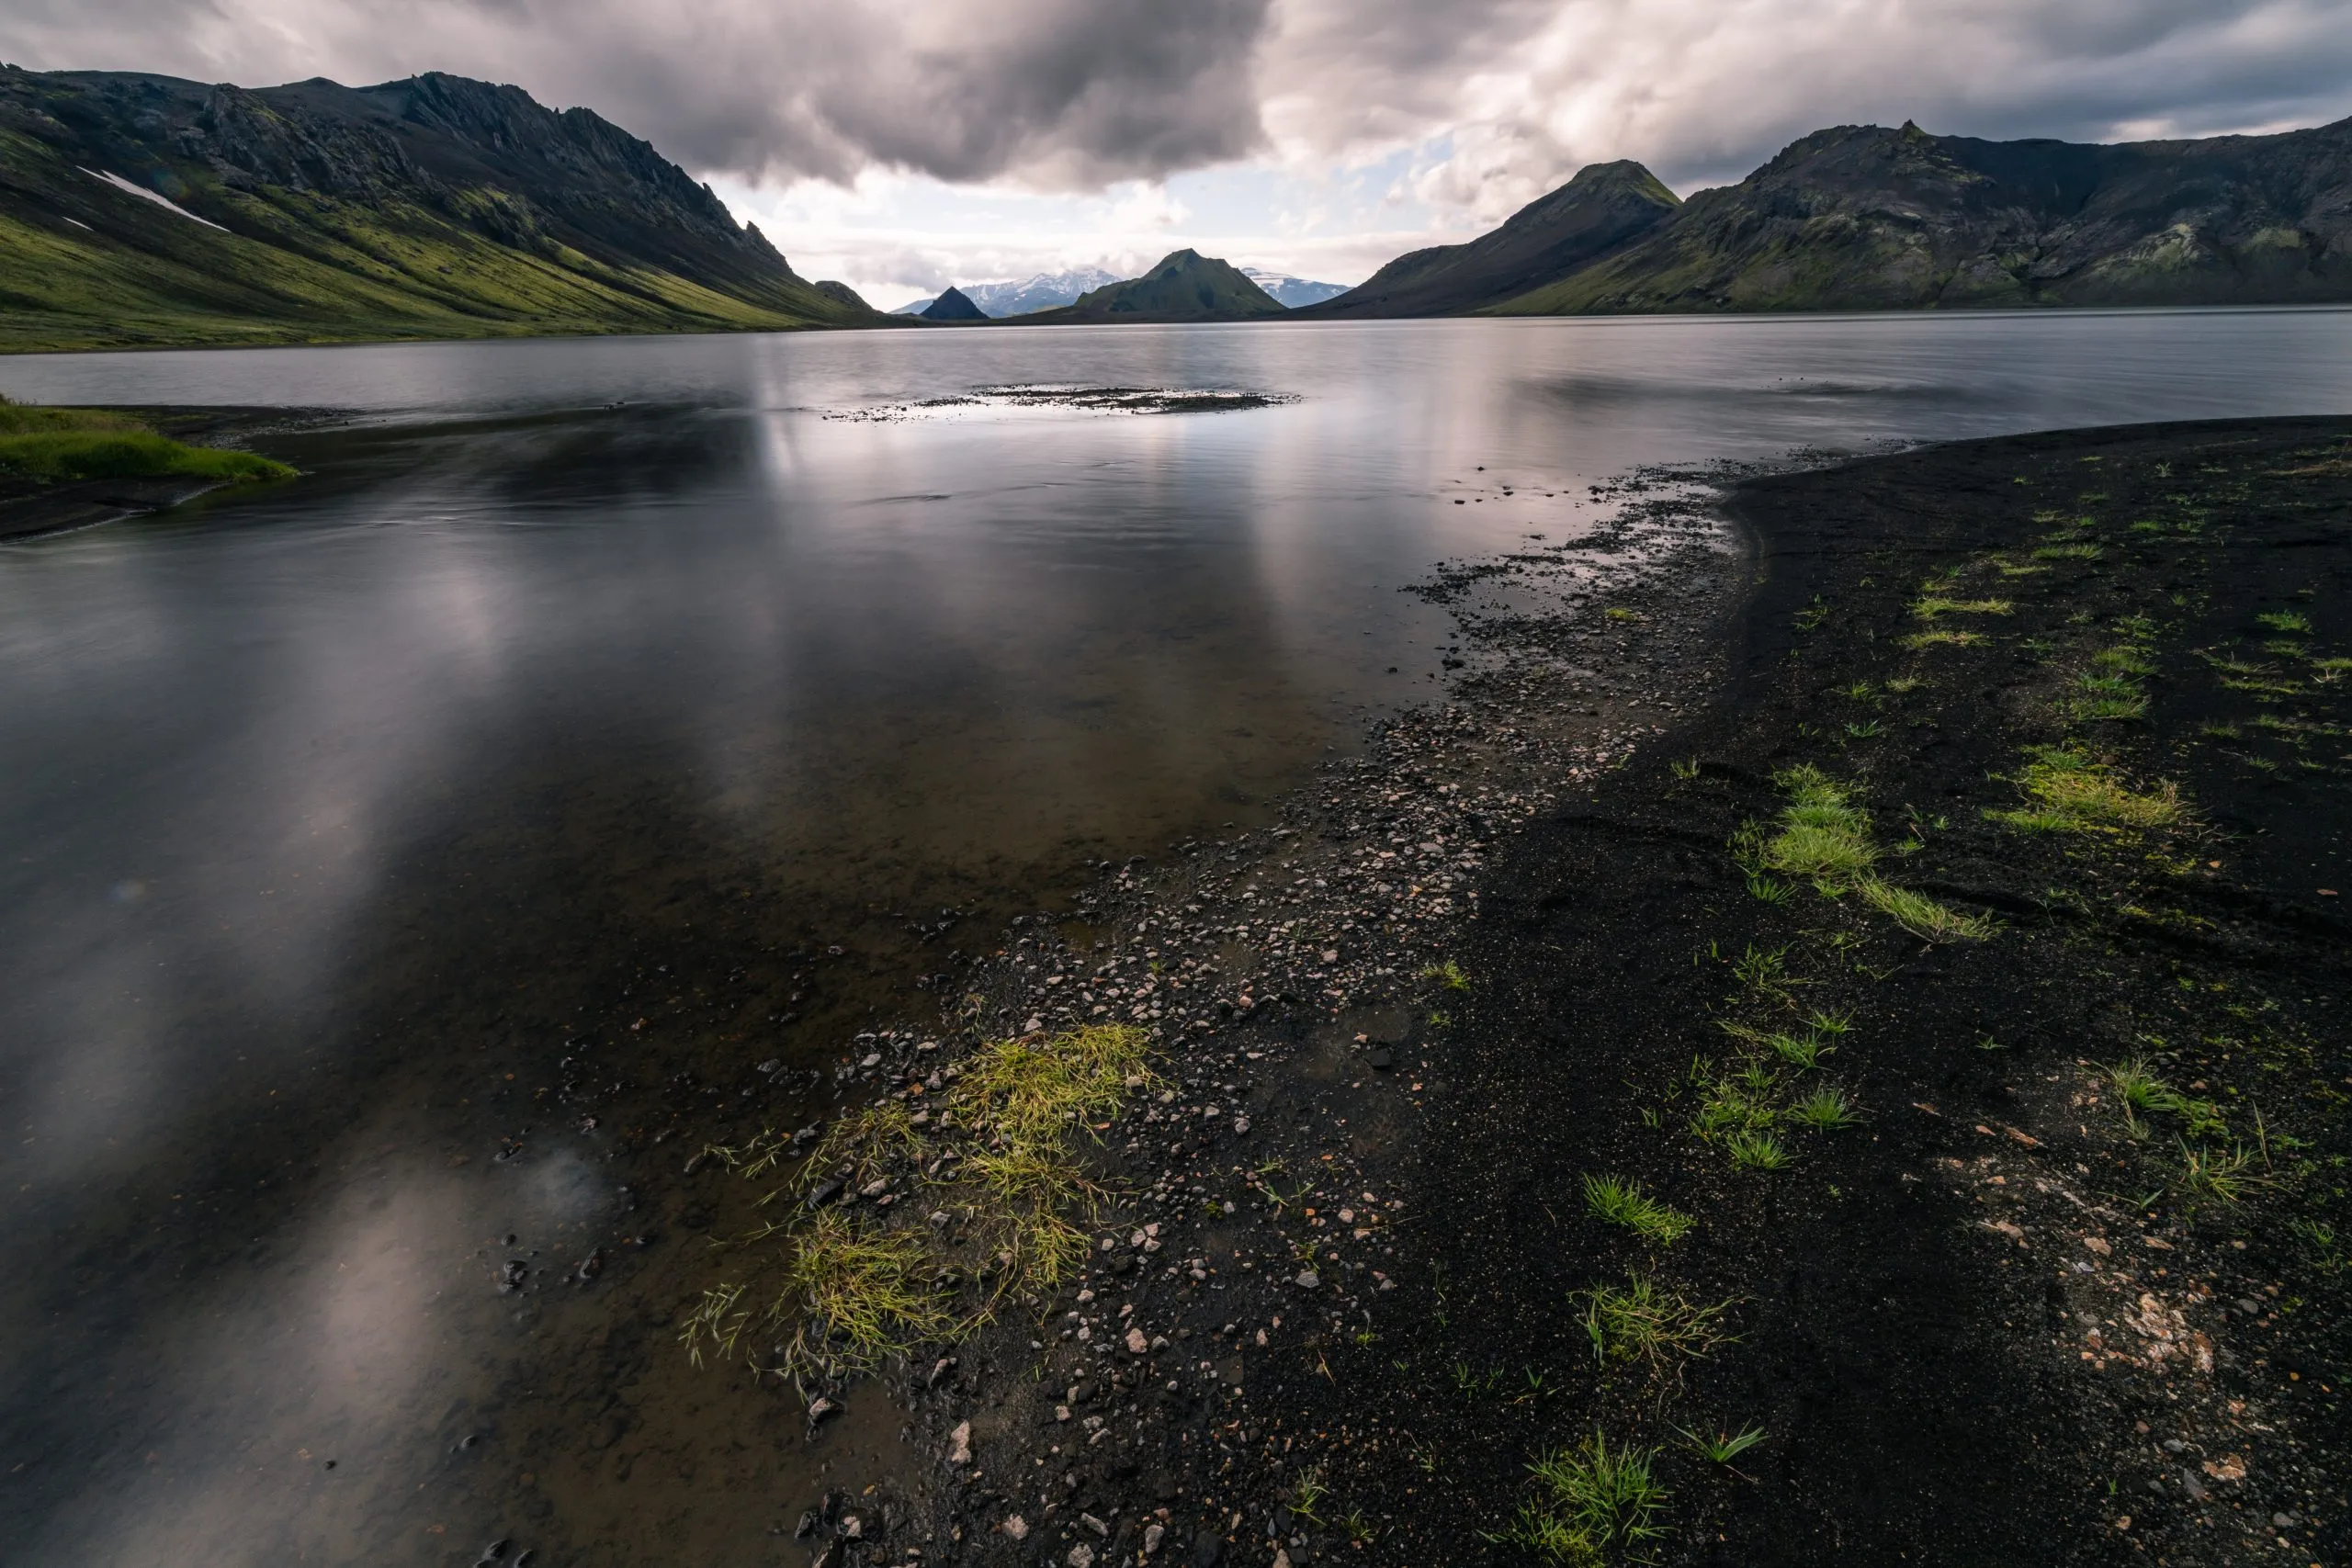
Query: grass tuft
{"points": [[53, 446], [1619, 1202], [1724, 1448], [1643, 1321], [1756, 1151], [1929, 606], [854, 1288], [1590, 1500], [1825, 1110], [2072, 791]]}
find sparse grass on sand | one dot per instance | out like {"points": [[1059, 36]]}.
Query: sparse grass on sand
{"points": [[1824, 838]]}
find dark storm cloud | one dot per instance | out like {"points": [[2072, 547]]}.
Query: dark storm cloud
{"points": [[1505, 96]]}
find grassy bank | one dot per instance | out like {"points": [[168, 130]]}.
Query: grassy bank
{"points": [[60, 445]]}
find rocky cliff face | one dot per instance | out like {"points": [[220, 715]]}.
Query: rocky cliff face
{"points": [[390, 209], [1865, 218]]}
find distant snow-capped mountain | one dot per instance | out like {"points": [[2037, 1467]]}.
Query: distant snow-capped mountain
{"points": [[1293, 291], [1040, 292]]}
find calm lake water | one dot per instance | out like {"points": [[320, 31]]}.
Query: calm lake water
{"points": [[529, 742]]}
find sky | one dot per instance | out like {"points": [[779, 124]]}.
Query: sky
{"points": [[901, 145]]}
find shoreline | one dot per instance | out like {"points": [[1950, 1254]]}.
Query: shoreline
{"points": [[1375, 1292]]}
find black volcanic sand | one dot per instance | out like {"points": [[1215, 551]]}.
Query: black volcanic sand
{"points": [[1996, 1320]]}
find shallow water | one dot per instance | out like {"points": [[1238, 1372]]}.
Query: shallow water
{"points": [[530, 742]]}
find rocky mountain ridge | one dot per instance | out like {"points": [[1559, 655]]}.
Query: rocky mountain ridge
{"points": [[1864, 218], [435, 206]]}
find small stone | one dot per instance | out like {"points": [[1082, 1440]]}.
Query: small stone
{"points": [[824, 1193], [872, 1060], [1061, 1412], [1097, 1526], [1016, 1528], [2194, 1487], [1137, 1343], [1152, 1536], [1380, 1058], [1241, 1125], [852, 1527], [1081, 1556], [876, 1187], [1282, 1558], [820, 1408], [959, 1444], [1307, 1279], [2284, 1521]]}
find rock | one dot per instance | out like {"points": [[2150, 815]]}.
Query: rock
{"points": [[1080, 1392], [939, 1371], [852, 1527], [959, 1444], [1380, 1058], [1015, 1528], [1097, 1526], [876, 1187], [820, 1408], [1307, 1279], [1282, 1558], [824, 1193], [1137, 1343], [1081, 1556], [2194, 1487], [1241, 1125], [1152, 1536], [1209, 1550]]}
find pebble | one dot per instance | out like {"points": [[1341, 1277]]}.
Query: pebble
{"points": [[820, 1408], [959, 1444], [1307, 1279], [1016, 1528]]}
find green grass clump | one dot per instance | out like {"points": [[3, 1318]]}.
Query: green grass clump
{"points": [[1643, 1321], [1940, 638], [1825, 1110], [2291, 621], [1929, 606], [853, 1288], [1756, 1151], [1447, 975], [2068, 552], [1619, 1202], [2072, 791], [2143, 1092], [853, 1294], [1723, 1447], [129, 455], [53, 446], [1590, 1500], [1824, 838]]}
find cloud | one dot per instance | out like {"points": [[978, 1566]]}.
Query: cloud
{"points": [[1491, 101]]}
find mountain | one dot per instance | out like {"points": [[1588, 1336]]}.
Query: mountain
{"points": [[139, 209], [1292, 292], [953, 306], [1594, 215], [1184, 286], [1861, 218], [1038, 291]]}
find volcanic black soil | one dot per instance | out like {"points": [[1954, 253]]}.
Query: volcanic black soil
{"points": [[2002, 1167]]}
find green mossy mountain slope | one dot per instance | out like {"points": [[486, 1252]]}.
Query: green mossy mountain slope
{"points": [[1862, 218], [1184, 286], [431, 207]]}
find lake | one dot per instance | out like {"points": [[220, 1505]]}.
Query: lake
{"points": [[533, 743]]}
